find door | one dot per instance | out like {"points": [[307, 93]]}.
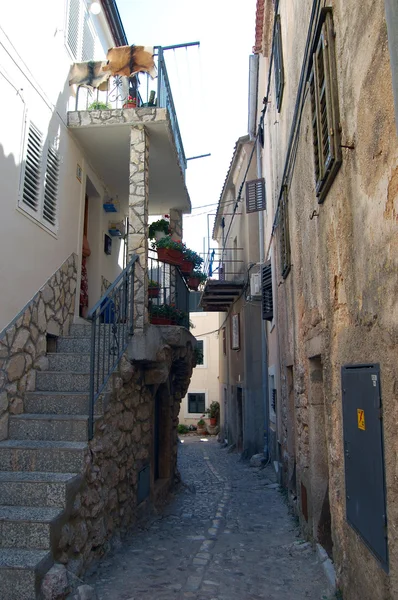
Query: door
{"points": [[364, 456]]}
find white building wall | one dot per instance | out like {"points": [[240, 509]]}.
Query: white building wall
{"points": [[34, 67]]}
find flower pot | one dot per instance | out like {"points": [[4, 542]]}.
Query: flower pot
{"points": [[159, 320], [213, 421], [193, 283], [153, 292], [130, 105], [201, 430], [186, 267], [170, 256]]}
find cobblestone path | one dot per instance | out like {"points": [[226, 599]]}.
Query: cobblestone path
{"points": [[227, 535]]}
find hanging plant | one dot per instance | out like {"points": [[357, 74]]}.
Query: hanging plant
{"points": [[161, 225]]}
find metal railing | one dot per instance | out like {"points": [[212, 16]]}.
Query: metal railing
{"points": [[112, 324], [224, 263], [172, 289], [148, 93]]}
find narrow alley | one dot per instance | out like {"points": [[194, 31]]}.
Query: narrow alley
{"points": [[227, 535]]}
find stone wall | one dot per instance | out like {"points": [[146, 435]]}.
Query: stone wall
{"points": [[123, 444], [23, 342]]}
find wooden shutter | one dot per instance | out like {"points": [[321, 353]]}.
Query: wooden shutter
{"points": [[51, 187], [278, 63], [255, 195], [72, 37], [324, 106], [266, 284], [284, 234], [32, 175]]}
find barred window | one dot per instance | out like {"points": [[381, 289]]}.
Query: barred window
{"points": [[325, 109]]}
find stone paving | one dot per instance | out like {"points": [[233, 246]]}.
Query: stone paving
{"points": [[227, 535]]}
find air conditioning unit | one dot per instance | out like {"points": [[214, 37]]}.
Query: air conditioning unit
{"points": [[255, 284]]}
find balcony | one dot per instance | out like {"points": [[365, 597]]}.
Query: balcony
{"points": [[168, 293], [102, 124], [226, 279]]}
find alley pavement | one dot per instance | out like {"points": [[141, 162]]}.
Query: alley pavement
{"points": [[227, 535]]}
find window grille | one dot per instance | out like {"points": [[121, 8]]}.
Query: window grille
{"points": [[325, 109], [255, 195], [266, 285], [278, 64], [284, 235]]}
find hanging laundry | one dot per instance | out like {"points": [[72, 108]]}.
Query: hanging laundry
{"points": [[89, 73], [127, 60]]}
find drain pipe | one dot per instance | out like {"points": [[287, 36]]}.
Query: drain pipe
{"points": [[392, 30]]}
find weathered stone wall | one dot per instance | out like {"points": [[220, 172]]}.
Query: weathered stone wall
{"points": [[23, 343], [123, 444]]}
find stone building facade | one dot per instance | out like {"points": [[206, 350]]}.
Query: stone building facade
{"points": [[330, 162]]}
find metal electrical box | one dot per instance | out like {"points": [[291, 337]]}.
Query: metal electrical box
{"points": [[364, 457]]}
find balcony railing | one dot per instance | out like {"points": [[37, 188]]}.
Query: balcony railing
{"points": [[147, 92], [224, 263], [171, 290]]}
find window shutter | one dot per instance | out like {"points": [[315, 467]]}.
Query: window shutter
{"points": [[73, 28], [267, 301], [278, 63], [32, 175], [51, 187], [315, 131], [255, 195], [88, 39]]}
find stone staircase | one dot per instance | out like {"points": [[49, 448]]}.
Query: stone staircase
{"points": [[41, 466]]}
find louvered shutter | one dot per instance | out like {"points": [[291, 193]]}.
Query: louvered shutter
{"points": [[32, 174], [73, 28], [284, 234], [325, 113], [278, 64], [51, 187], [88, 39], [255, 195], [266, 284]]}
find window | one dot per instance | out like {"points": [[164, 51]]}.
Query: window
{"points": [[80, 36], [255, 195], [267, 300], [278, 63], [325, 109], [284, 236], [200, 353], [196, 403], [39, 194]]}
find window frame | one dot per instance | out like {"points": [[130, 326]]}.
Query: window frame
{"points": [[323, 93], [84, 23], [204, 365], [194, 415], [279, 73]]}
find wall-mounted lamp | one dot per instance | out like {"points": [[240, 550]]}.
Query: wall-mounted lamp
{"points": [[95, 7]]}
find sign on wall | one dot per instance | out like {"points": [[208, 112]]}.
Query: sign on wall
{"points": [[235, 337]]}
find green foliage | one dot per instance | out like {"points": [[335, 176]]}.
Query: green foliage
{"points": [[160, 225], [181, 428], [200, 275], [153, 284], [201, 422], [214, 410], [192, 256], [168, 311], [168, 243], [99, 106]]}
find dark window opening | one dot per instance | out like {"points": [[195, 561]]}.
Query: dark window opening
{"points": [[196, 403]]}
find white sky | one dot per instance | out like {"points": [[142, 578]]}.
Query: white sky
{"points": [[209, 85]]}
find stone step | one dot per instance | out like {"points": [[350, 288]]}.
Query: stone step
{"points": [[70, 428], [27, 526], [49, 381], [60, 403], [30, 455], [37, 489], [21, 572], [80, 330], [75, 361], [73, 344]]}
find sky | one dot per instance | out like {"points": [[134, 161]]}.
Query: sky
{"points": [[209, 86]]}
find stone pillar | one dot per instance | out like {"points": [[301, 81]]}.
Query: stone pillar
{"points": [[176, 223], [138, 218]]}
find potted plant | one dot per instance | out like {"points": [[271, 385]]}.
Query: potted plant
{"points": [[159, 229], [196, 279], [160, 314], [201, 425], [169, 251], [213, 411], [99, 106], [131, 102], [153, 289], [191, 260]]}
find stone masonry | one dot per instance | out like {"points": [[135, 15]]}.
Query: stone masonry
{"points": [[23, 343]]}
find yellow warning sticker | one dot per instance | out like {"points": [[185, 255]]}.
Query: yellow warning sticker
{"points": [[361, 419]]}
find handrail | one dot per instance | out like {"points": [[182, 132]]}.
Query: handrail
{"points": [[112, 325]]}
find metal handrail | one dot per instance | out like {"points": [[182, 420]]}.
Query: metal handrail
{"points": [[112, 325]]}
